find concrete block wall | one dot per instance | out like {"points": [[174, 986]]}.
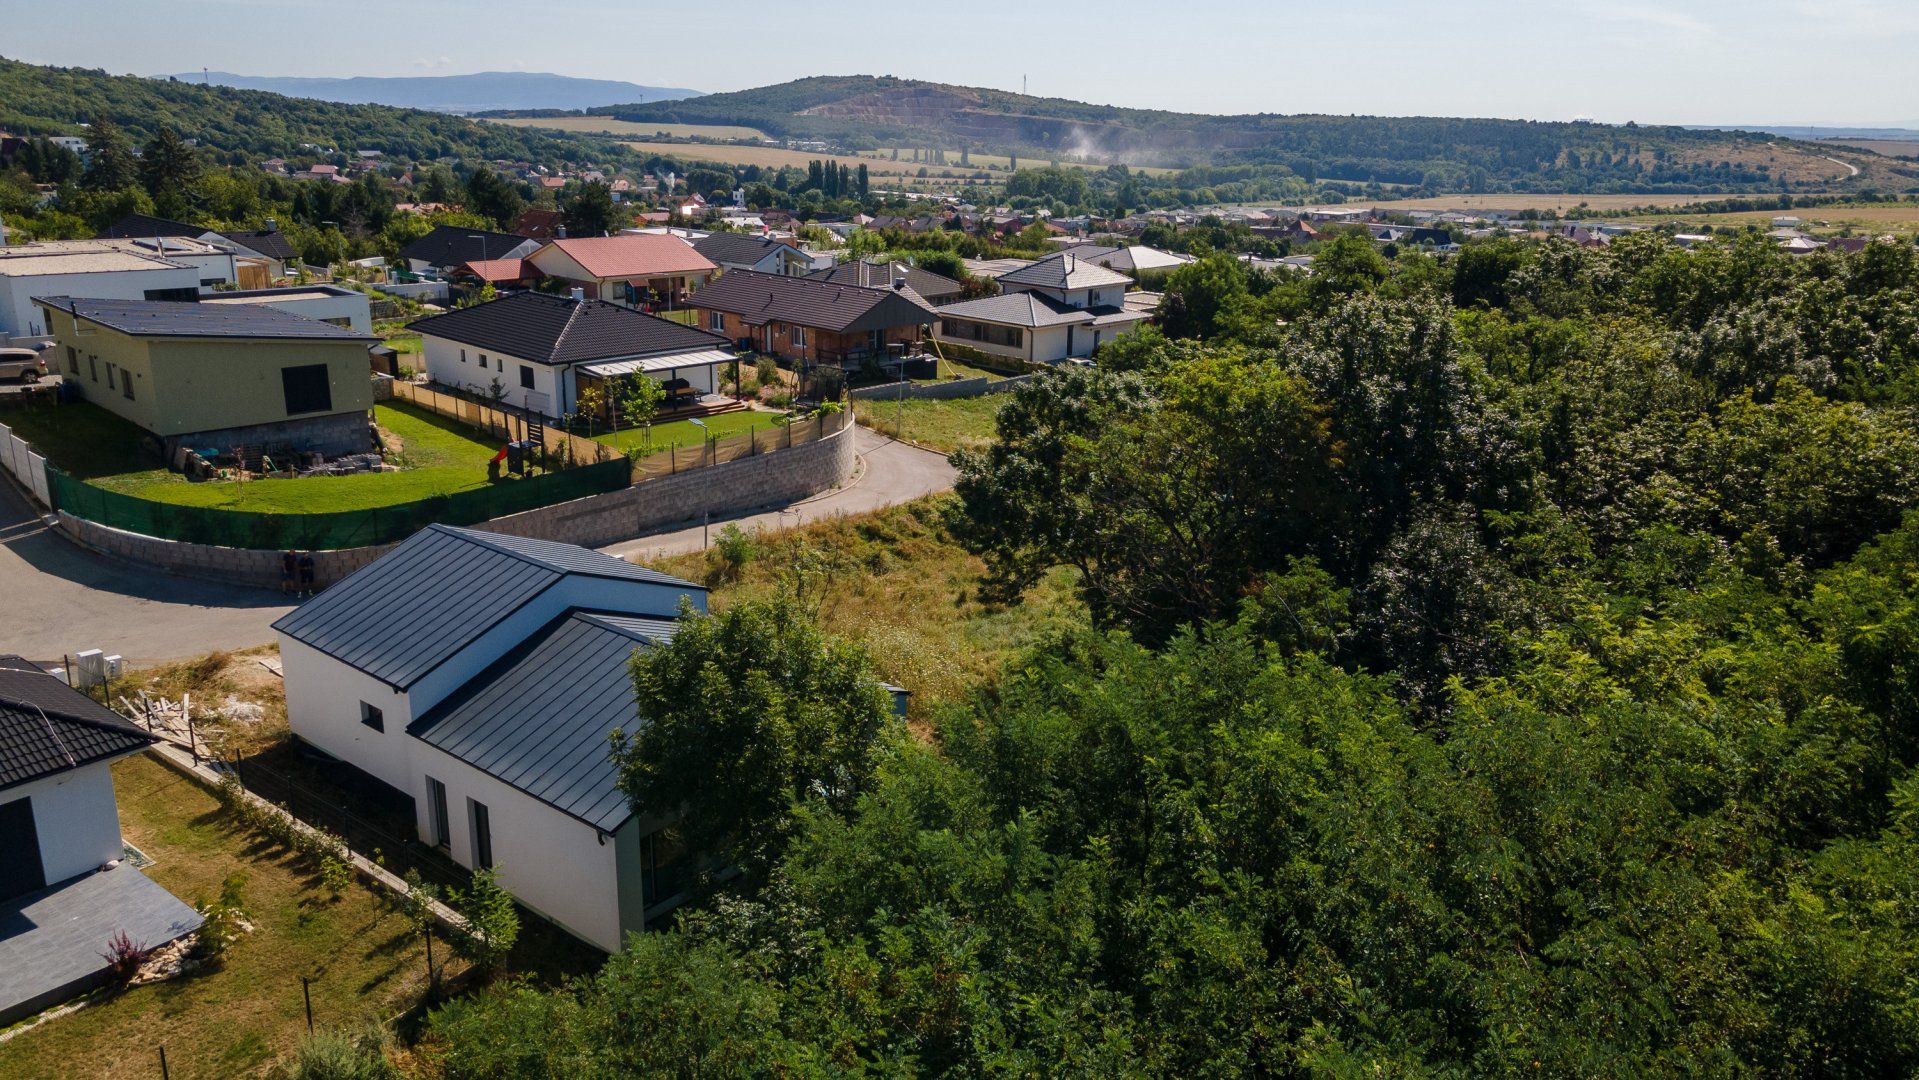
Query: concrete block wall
{"points": [[238, 566], [735, 486]]}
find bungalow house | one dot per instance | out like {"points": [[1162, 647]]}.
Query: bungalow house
{"points": [[935, 289], [66, 886], [747, 251], [1058, 308], [82, 268], [483, 675], [638, 269], [218, 375], [544, 349], [499, 273], [447, 247], [806, 322], [538, 224]]}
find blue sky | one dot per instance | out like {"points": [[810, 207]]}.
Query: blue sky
{"points": [[1698, 62]]}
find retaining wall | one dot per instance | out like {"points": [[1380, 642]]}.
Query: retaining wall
{"points": [[727, 488], [941, 391]]}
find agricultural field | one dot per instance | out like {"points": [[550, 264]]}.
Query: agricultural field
{"points": [[1887, 147], [1560, 203], [773, 157], [997, 162], [1871, 217], [607, 125]]}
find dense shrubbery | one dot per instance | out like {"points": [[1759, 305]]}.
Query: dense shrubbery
{"points": [[1526, 688]]}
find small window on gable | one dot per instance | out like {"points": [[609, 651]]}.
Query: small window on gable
{"points": [[462, 356], [372, 717]]}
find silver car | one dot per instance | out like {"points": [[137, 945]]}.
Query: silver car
{"points": [[23, 365]]}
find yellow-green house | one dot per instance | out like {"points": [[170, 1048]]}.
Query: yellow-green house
{"points": [[218, 376]]}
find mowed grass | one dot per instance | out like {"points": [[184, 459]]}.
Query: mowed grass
{"points": [[607, 125], [946, 426], [365, 963], [897, 582], [680, 433], [439, 457]]}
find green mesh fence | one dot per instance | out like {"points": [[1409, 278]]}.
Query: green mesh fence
{"points": [[319, 532]]}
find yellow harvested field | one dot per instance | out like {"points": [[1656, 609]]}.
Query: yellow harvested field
{"points": [[1561, 203], [997, 162], [606, 125], [773, 157], [1892, 217], [1888, 147]]}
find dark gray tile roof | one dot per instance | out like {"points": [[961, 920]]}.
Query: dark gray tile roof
{"points": [[162, 318], [823, 305], [147, 226], [448, 246], [1064, 271], [737, 249], [47, 727], [435, 593], [273, 244], [1018, 309], [559, 330], [880, 275], [540, 719]]}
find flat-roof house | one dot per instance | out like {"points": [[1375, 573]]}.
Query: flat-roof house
{"points": [[65, 885], [218, 375], [935, 289], [83, 268], [748, 251], [543, 349], [344, 308], [267, 249], [811, 322], [483, 675], [1058, 308], [448, 246], [638, 269]]}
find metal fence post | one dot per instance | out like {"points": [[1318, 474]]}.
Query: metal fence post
{"points": [[306, 993]]}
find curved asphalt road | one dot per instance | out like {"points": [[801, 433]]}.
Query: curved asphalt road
{"points": [[57, 599]]}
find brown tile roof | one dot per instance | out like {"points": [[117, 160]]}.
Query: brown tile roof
{"points": [[823, 305], [634, 255]]}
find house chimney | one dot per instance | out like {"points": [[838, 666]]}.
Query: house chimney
{"points": [[272, 225], [559, 233], [899, 282], [578, 295]]}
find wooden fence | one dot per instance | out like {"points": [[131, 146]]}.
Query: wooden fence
{"points": [[746, 444]]}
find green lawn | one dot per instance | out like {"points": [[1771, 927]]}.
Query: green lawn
{"points": [[440, 456], [684, 433], [946, 426], [364, 961]]}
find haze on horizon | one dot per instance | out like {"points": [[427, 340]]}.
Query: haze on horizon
{"points": [[1708, 62]]}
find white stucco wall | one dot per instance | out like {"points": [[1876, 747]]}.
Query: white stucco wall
{"points": [[444, 364], [323, 707], [20, 318], [553, 863], [76, 819]]}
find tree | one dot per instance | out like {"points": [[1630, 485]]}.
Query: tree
{"points": [[1203, 298], [750, 716], [110, 162], [640, 398], [491, 922], [170, 171], [592, 212], [493, 197]]}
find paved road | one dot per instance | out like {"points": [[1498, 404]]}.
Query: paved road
{"points": [[60, 599], [890, 473], [56, 598]]}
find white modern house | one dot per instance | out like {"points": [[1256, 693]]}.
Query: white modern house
{"points": [[752, 251], [325, 303], [483, 675], [1056, 309], [95, 269], [65, 885], [541, 348]]}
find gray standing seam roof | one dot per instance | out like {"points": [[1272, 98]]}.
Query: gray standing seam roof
{"points": [[413, 608], [539, 720]]}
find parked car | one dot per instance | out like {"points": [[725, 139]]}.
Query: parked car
{"points": [[22, 365]]}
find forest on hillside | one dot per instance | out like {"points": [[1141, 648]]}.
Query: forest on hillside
{"points": [[1425, 153], [1497, 665], [249, 125]]}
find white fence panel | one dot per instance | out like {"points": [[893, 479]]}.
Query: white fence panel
{"points": [[37, 478]]}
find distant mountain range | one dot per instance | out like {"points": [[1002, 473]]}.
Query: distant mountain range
{"points": [[478, 92]]}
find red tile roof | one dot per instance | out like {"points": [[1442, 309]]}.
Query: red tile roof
{"points": [[634, 255], [500, 270]]}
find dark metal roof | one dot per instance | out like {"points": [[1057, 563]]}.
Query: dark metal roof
{"points": [[822, 305], [558, 330], [738, 249], [437, 592], [269, 242], [448, 246], [145, 226], [540, 719], [163, 318], [47, 727], [880, 275]]}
